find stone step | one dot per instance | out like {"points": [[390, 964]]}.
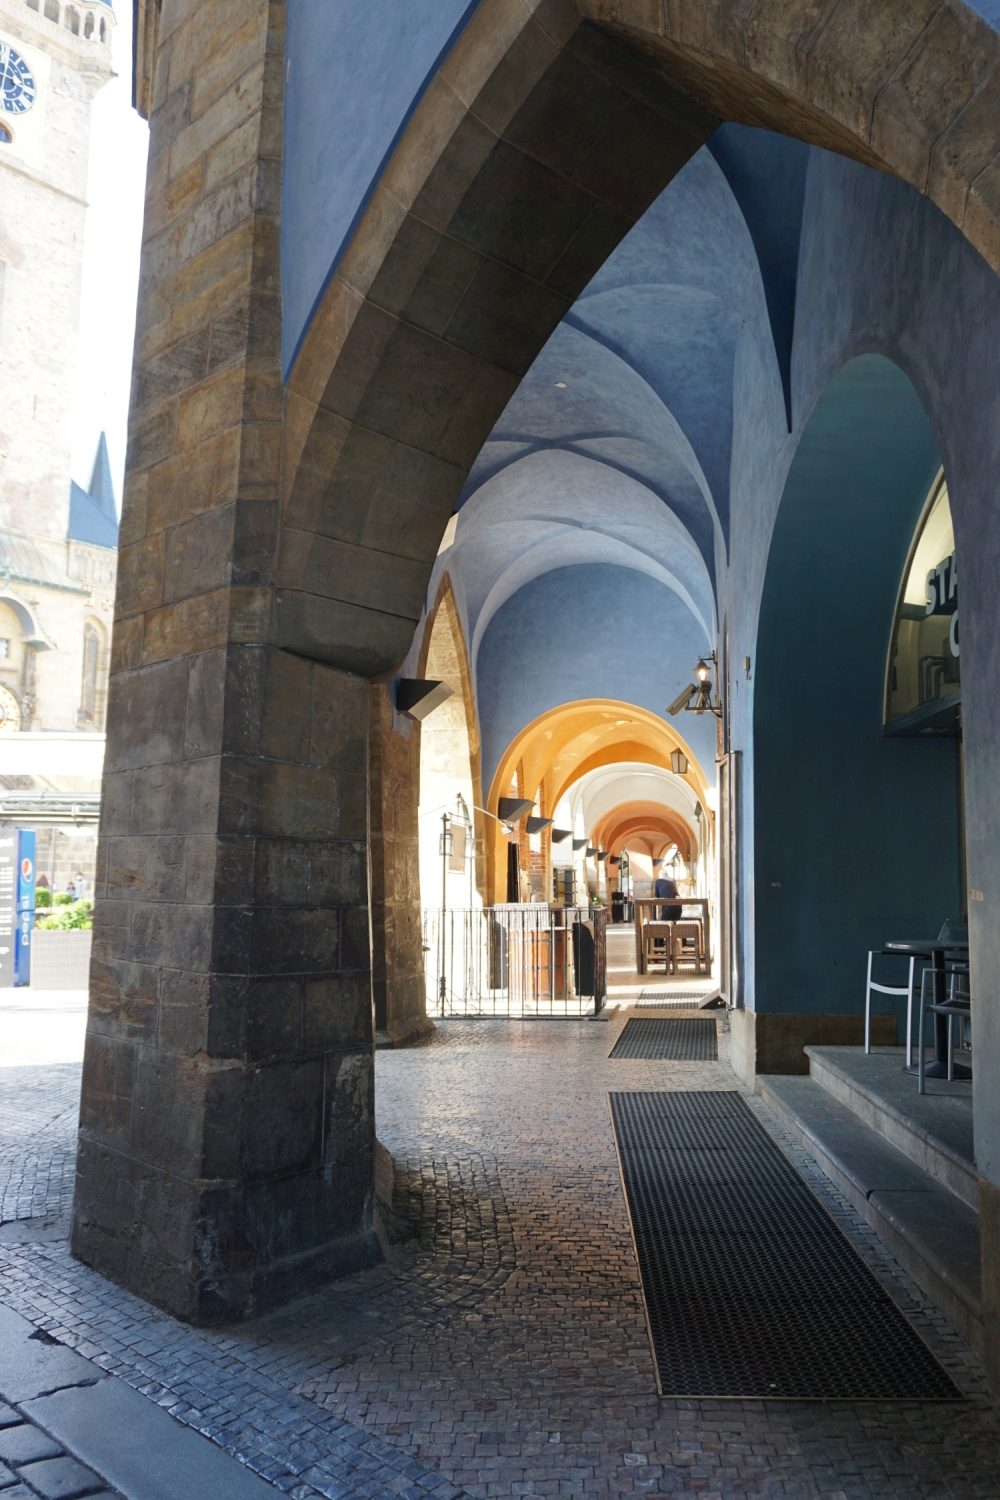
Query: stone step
{"points": [[933, 1130], [932, 1233]]}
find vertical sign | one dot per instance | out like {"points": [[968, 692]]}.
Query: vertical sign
{"points": [[25, 914], [8, 898]]}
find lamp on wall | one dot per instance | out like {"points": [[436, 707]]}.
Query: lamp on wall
{"points": [[696, 698], [419, 696], [511, 809], [579, 844], [559, 835], [535, 825], [678, 762]]}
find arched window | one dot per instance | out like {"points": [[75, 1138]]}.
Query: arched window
{"points": [[5, 135], [52, 10], [92, 699], [72, 21], [923, 681], [88, 25], [104, 30], [31, 4]]}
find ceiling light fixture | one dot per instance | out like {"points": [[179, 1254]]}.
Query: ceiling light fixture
{"points": [[560, 385]]}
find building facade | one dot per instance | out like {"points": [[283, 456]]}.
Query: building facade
{"points": [[58, 542]]}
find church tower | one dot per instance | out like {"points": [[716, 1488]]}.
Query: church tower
{"points": [[58, 543]]}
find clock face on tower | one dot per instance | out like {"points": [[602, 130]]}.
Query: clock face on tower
{"points": [[17, 87]]}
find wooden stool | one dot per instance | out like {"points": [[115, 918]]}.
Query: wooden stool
{"points": [[658, 938], [688, 944]]}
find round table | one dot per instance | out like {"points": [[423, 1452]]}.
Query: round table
{"points": [[935, 949]]}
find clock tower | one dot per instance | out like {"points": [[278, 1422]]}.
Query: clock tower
{"points": [[58, 542], [54, 57]]}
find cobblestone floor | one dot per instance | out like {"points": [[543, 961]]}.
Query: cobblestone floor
{"points": [[503, 1351]]}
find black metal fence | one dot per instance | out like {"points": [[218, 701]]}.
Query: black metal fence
{"points": [[515, 961]]}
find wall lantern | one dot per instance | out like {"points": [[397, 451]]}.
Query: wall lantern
{"points": [[615, 859], [419, 696], [559, 835], [678, 762], [602, 854], [535, 825], [696, 698], [579, 844], [511, 809], [591, 850]]}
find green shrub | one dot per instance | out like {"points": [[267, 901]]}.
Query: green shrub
{"points": [[63, 898], [69, 918], [43, 896]]}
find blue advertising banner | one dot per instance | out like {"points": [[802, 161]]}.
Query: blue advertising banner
{"points": [[8, 898], [25, 886]]}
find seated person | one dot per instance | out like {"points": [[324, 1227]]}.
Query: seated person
{"points": [[667, 887]]}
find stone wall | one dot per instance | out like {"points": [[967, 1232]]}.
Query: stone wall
{"points": [[397, 955], [227, 1123]]}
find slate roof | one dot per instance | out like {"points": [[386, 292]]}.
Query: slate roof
{"points": [[93, 517]]}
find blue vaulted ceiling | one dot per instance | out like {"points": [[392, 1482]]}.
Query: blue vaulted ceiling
{"points": [[617, 450]]}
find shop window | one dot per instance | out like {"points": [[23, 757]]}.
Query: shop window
{"points": [[923, 680]]}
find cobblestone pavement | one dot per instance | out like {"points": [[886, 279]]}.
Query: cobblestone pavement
{"points": [[503, 1350]]}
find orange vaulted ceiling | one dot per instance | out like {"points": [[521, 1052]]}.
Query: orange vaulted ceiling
{"points": [[557, 748], [649, 820]]}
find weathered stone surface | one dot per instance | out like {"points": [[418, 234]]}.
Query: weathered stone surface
{"points": [[230, 1034]]}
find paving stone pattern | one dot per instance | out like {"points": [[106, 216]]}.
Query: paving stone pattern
{"points": [[39, 1109], [32, 1465], [503, 1351]]}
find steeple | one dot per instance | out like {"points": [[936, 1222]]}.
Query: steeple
{"points": [[101, 488]]}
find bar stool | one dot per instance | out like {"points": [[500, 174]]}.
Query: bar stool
{"points": [[906, 989], [957, 1007], [658, 938], [688, 944]]}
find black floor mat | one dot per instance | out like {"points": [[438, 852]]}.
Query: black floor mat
{"points": [[686, 1039], [751, 1288]]}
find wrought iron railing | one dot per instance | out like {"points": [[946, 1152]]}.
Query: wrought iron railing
{"points": [[515, 961]]}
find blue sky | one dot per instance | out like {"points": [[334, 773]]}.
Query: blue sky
{"points": [[118, 147]]}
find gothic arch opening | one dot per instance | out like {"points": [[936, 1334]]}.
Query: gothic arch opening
{"points": [[449, 769]]}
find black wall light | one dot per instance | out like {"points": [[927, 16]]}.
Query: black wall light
{"points": [[579, 844], [513, 808], [535, 825], [419, 696], [696, 698], [559, 835]]}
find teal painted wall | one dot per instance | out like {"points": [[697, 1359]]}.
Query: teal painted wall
{"points": [[860, 830]]}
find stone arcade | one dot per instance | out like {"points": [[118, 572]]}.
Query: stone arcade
{"points": [[712, 286]]}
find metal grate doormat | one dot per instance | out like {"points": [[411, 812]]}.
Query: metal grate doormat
{"points": [[751, 1288], [650, 999], [686, 1039]]}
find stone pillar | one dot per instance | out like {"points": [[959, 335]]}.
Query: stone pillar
{"points": [[398, 984], [227, 1128]]}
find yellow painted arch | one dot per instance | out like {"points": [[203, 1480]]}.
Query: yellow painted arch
{"points": [[560, 746]]}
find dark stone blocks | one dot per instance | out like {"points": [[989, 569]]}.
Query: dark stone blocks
{"points": [[229, 1053], [520, 212]]}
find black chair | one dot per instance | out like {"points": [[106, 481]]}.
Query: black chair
{"points": [[958, 1007]]}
